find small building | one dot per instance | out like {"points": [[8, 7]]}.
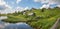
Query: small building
{"points": [[31, 14], [24, 13]]}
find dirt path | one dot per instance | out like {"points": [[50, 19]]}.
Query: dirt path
{"points": [[55, 26]]}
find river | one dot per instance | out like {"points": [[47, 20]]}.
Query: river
{"points": [[21, 25]]}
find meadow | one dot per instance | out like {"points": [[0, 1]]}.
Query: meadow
{"points": [[36, 18]]}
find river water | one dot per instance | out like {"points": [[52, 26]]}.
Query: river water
{"points": [[21, 25]]}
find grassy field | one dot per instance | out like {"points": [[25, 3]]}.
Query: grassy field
{"points": [[40, 19]]}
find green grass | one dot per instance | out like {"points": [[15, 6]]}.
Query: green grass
{"points": [[45, 21]]}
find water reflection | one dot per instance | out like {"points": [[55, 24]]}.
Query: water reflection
{"points": [[20, 25], [2, 25]]}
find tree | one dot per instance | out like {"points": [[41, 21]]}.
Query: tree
{"points": [[34, 14], [43, 10], [19, 12]]}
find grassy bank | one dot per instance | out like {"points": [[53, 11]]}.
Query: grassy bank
{"points": [[37, 18]]}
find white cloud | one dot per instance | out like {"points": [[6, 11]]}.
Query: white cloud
{"points": [[4, 4], [21, 9], [42, 1], [48, 1], [13, 10], [17, 1], [26, 8], [1, 26], [4, 7], [45, 6], [20, 23], [8, 6], [58, 6], [6, 24], [18, 9]]}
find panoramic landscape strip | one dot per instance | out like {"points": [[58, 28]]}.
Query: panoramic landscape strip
{"points": [[36, 18], [29, 14]]}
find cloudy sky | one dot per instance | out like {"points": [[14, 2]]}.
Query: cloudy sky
{"points": [[9, 6]]}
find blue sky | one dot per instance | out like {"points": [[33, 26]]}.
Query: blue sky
{"points": [[9, 6], [29, 3], [24, 3]]}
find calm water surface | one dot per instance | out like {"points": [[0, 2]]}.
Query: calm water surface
{"points": [[20, 25]]}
